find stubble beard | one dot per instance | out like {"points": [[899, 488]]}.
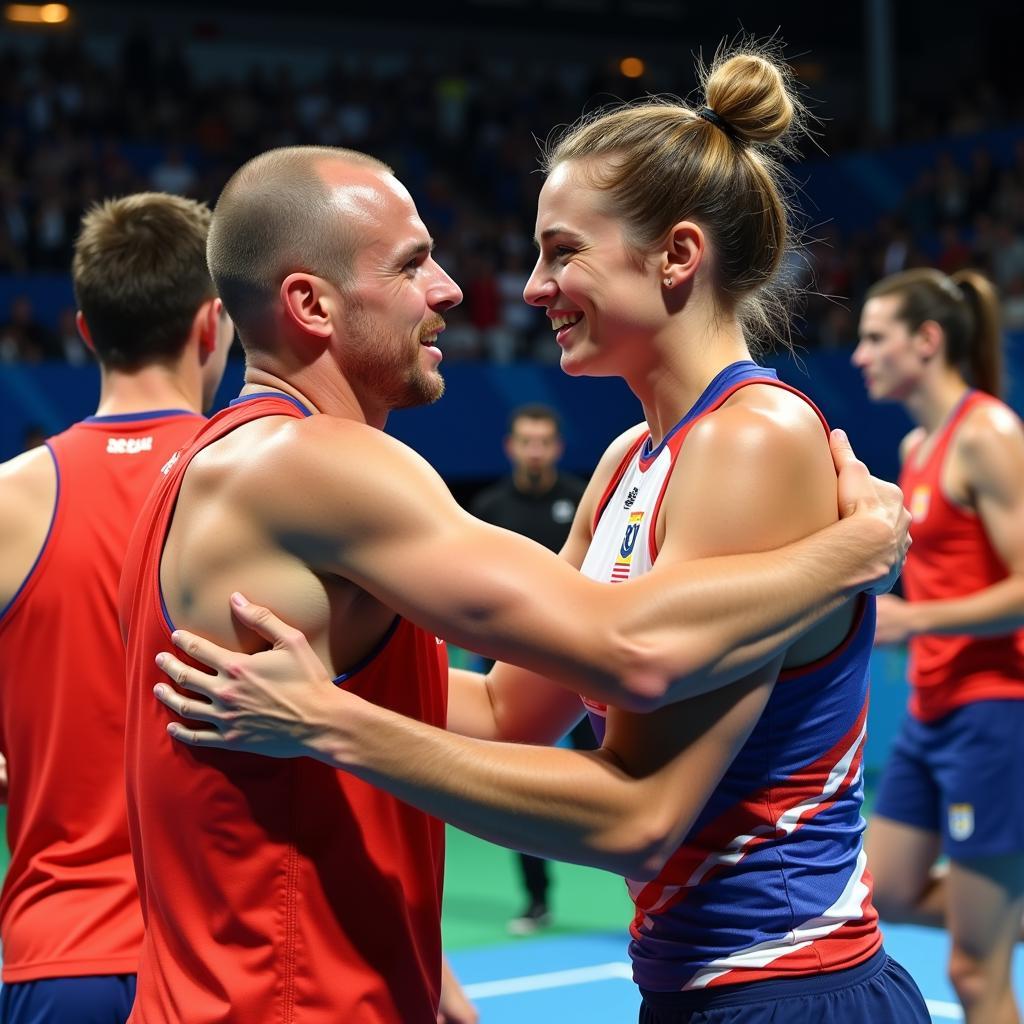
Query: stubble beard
{"points": [[385, 367]]}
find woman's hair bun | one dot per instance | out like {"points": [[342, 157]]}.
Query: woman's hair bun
{"points": [[750, 91]]}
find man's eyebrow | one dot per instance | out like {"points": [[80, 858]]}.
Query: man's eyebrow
{"points": [[414, 250]]}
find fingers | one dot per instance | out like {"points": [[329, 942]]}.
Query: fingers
{"points": [[185, 675], [181, 705], [262, 620], [856, 485], [200, 649], [842, 450], [195, 737]]}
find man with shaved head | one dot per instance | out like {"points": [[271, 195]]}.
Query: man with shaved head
{"points": [[280, 889]]}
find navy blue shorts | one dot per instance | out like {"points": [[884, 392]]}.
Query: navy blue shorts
{"points": [[962, 777], [877, 991], [95, 999]]}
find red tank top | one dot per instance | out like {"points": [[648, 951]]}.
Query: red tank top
{"points": [[951, 557], [275, 890], [69, 905]]}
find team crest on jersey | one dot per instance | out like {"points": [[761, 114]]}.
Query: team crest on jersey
{"points": [[624, 558], [919, 502], [961, 821]]}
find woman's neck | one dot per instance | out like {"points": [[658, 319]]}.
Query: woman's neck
{"points": [[680, 367], [930, 405]]}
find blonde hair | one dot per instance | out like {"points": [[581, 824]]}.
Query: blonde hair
{"points": [[966, 306], [662, 162]]}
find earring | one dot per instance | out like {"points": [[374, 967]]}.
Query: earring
{"points": [[668, 282]]}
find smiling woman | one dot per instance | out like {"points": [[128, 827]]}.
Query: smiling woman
{"points": [[661, 231]]}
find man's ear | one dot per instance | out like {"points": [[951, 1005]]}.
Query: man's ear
{"points": [[307, 304], [83, 331], [208, 327]]}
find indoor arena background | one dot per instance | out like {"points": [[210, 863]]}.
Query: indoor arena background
{"points": [[917, 158]]}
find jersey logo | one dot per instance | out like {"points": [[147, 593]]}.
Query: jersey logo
{"points": [[961, 821], [169, 464], [630, 498], [919, 502], [129, 445], [620, 570]]}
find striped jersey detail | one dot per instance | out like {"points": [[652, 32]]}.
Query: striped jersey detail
{"points": [[771, 880]]}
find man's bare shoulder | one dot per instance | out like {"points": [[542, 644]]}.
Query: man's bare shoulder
{"points": [[28, 490], [319, 469], [28, 483]]}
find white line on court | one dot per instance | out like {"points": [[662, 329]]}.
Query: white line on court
{"points": [[623, 971], [552, 979], [944, 1011]]}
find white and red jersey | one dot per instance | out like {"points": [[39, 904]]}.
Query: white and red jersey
{"points": [[771, 880], [275, 890]]}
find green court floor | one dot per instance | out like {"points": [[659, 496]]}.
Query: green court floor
{"points": [[482, 891]]}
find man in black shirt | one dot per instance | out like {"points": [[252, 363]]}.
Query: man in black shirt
{"points": [[539, 502]]}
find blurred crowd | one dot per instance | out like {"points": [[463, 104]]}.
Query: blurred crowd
{"points": [[74, 129], [951, 217]]}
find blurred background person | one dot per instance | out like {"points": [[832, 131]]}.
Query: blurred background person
{"points": [[539, 501], [953, 781]]}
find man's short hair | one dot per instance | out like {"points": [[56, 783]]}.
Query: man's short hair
{"points": [[139, 272], [535, 411], [275, 217]]}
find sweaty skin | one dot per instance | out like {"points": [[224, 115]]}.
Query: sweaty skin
{"points": [[624, 807], [338, 526]]}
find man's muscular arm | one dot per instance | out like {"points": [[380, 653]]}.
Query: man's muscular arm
{"points": [[397, 532], [623, 808], [681, 629]]}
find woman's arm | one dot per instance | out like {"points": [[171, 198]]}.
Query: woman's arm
{"points": [[623, 808]]}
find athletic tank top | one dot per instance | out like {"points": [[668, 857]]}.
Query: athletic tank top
{"points": [[69, 905], [951, 557], [771, 880], [275, 890]]}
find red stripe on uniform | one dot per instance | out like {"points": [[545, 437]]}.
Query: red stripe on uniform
{"points": [[757, 817]]}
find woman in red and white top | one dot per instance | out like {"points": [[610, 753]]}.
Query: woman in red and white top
{"points": [[953, 783]]}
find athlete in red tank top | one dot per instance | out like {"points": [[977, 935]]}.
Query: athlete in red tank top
{"points": [[276, 889], [757, 473], [69, 913], [953, 556], [951, 783], [69, 903]]}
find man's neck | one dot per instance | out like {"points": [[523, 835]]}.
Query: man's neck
{"points": [[123, 392]]}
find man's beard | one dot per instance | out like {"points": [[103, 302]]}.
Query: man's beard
{"points": [[384, 366]]}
